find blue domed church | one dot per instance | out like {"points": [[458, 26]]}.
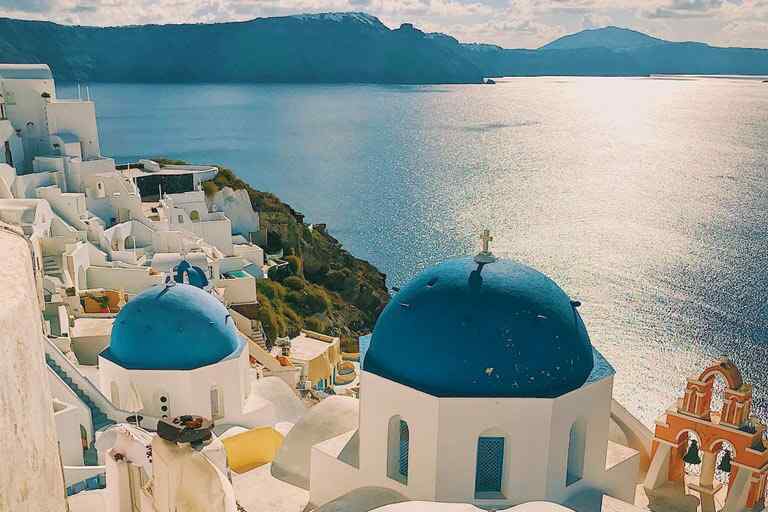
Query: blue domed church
{"points": [[175, 350], [481, 385]]}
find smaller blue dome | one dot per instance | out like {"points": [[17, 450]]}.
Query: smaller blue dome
{"points": [[194, 275], [172, 327]]}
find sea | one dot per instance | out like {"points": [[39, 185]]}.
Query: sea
{"points": [[645, 198]]}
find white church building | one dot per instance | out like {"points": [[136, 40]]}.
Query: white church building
{"points": [[175, 350], [480, 386]]}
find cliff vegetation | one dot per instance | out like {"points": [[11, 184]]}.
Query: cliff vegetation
{"points": [[323, 287]]}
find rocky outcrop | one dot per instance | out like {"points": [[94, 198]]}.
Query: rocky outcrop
{"points": [[323, 288]]}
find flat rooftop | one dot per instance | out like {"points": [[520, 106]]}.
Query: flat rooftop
{"points": [[306, 348]]}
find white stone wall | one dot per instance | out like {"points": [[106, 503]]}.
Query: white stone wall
{"points": [[132, 280], [592, 404], [443, 437], [241, 290], [68, 432], [29, 433], [77, 261], [25, 108], [189, 391], [251, 253], [24, 186], [236, 205], [60, 391], [78, 118]]}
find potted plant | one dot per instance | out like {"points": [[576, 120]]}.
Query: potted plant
{"points": [[103, 302]]}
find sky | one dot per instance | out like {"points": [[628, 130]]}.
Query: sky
{"points": [[509, 23]]}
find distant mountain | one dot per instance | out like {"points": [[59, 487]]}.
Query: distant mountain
{"points": [[329, 48], [345, 47], [614, 51], [613, 38]]}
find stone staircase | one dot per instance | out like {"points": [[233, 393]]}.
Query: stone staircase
{"points": [[99, 417], [260, 338], [52, 265]]}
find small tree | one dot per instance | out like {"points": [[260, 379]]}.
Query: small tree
{"points": [[210, 188], [295, 263]]}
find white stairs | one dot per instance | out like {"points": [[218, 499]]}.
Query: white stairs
{"points": [[52, 265]]}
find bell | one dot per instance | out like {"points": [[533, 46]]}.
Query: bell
{"points": [[692, 456], [725, 462]]}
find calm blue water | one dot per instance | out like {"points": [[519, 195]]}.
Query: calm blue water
{"points": [[646, 199]]}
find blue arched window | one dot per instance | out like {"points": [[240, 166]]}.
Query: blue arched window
{"points": [[398, 446], [489, 469]]}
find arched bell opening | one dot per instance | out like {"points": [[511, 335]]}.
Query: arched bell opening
{"points": [[719, 385], [725, 453], [690, 452]]}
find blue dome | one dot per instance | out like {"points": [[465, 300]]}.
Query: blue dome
{"points": [[194, 275], [497, 330], [172, 327]]}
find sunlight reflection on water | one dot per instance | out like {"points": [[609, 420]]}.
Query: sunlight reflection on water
{"points": [[643, 198]]}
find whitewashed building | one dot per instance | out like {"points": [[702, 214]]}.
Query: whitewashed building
{"points": [[175, 350], [480, 386]]}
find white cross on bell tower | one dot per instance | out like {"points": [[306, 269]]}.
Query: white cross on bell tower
{"points": [[485, 255]]}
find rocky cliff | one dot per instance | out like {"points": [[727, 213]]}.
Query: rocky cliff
{"points": [[323, 288]]}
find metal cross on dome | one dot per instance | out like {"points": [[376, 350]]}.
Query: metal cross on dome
{"points": [[486, 238], [485, 255]]}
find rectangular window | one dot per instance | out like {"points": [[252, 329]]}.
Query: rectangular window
{"points": [[490, 467], [8, 154], [216, 408], [398, 446], [576, 447]]}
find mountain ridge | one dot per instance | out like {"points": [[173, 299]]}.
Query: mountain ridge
{"points": [[611, 37], [347, 47]]}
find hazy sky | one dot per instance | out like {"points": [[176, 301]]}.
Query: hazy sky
{"points": [[510, 23]]}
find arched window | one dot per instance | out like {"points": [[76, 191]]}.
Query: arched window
{"points": [[181, 219], [100, 190], [489, 467], [114, 394], [398, 446], [217, 405], [194, 216], [576, 447]]}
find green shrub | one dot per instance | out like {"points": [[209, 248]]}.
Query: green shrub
{"points": [[274, 242], [295, 263], [295, 299], [340, 281], [291, 315], [316, 324], [272, 323], [270, 289], [210, 188], [316, 301], [350, 344], [294, 283]]}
